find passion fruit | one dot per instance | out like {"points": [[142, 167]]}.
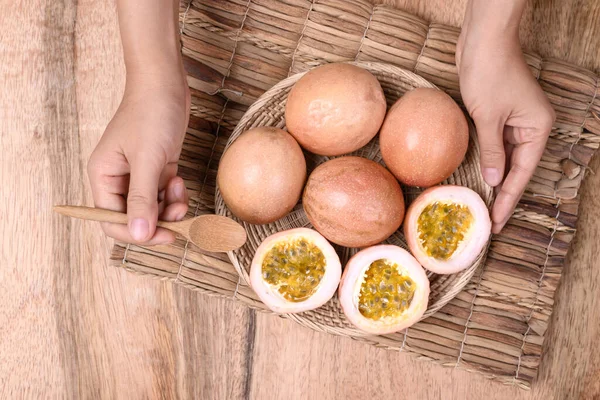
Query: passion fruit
{"points": [[424, 137], [335, 109], [295, 270], [261, 175], [353, 201], [447, 227], [383, 290]]}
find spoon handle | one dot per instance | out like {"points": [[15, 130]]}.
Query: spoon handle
{"points": [[92, 214], [102, 215]]}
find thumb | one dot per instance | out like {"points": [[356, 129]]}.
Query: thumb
{"points": [[142, 203], [491, 146]]}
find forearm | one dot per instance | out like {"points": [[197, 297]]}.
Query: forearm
{"points": [[150, 37], [491, 19]]}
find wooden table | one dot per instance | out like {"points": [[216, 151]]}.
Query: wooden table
{"points": [[72, 327]]}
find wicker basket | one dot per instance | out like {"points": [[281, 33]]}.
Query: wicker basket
{"points": [[268, 110]]}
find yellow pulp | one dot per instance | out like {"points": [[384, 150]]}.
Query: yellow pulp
{"points": [[385, 292], [442, 226], [295, 268]]}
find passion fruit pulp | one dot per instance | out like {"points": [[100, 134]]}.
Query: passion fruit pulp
{"points": [[296, 267], [383, 290], [442, 227], [446, 228], [295, 270]]}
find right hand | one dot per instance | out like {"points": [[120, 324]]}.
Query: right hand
{"points": [[512, 114], [134, 166]]}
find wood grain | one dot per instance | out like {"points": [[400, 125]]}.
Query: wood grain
{"points": [[70, 327]]}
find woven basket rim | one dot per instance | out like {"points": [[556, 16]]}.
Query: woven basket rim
{"points": [[450, 288]]}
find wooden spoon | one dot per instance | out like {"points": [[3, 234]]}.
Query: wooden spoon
{"points": [[213, 233]]}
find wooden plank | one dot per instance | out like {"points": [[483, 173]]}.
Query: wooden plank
{"points": [[38, 138]]}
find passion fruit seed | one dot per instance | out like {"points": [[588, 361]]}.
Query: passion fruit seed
{"points": [[295, 267], [385, 291], [442, 226]]}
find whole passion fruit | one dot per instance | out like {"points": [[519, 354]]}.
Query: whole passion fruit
{"points": [[353, 201], [446, 228], [261, 175], [335, 109], [424, 137], [295, 270], [383, 290]]}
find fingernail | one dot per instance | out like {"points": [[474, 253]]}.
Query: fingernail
{"points": [[497, 228], [492, 176], [181, 216], [139, 229], [179, 190]]}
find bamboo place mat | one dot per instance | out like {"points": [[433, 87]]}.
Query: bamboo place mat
{"points": [[235, 50]]}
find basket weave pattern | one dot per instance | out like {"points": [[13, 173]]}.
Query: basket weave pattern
{"points": [[236, 50]]}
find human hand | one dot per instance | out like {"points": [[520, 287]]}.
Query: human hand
{"points": [[134, 166], [512, 114]]}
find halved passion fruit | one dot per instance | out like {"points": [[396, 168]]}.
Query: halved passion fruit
{"points": [[295, 270], [383, 290], [446, 228]]}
